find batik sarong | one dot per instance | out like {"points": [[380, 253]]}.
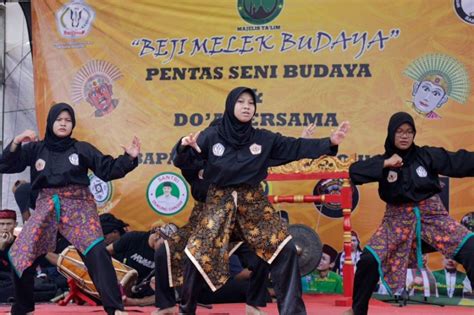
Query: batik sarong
{"points": [[396, 245], [177, 243], [243, 211], [70, 211]]}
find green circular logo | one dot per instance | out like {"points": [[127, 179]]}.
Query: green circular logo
{"points": [[101, 190], [259, 12], [167, 193]]}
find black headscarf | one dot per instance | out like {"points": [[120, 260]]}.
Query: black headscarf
{"points": [[396, 121], [110, 223], [53, 142], [215, 122], [236, 133]]}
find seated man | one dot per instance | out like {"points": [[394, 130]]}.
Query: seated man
{"points": [[323, 280], [450, 281], [7, 225], [136, 249]]}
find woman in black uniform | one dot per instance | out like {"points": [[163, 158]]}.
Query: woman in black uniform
{"points": [[59, 166], [408, 182], [238, 156]]}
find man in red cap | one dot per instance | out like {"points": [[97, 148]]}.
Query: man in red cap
{"points": [[7, 225]]}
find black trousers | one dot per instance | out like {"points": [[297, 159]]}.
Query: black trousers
{"points": [[6, 287], [256, 294], [285, 275], [164, 294], [252, 291], [99, 266], [367, 275], [255, 289]]}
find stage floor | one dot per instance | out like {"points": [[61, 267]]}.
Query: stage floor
{"points": [[315, 305]]}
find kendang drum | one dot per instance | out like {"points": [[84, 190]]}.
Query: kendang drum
{"points": [[71, 265]]}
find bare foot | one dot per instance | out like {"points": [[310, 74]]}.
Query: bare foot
{"points": [[119, 312], [348, 312], [252, 310], [164, 311]]}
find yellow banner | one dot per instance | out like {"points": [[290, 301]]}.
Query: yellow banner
{"points": [[162, 69]]}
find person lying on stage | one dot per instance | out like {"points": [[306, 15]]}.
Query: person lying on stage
{"points": [[136, 249], [59, 170], [112, 227], [408, 180], [237, 158]]}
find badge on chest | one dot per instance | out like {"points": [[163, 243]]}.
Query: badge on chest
{"points": [[74, 159], [392, 176], [218, 149], [421, 171], [255, 149], [40, 164]]}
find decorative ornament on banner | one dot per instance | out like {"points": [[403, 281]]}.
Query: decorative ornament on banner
{"points": [[163, 71], [74, 19], [465, 10], [94, 83], [259, 12], [437, 78], [167, 193], [333, 186], [102, 192]]}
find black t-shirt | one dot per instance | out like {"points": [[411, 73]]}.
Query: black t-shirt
{"points": [[134, 251], [5, 265]]}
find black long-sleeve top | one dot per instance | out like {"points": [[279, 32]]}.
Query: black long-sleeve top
{"points": [[228, 166], [417, 179], [191, 165], [5, 265], [58, 169]]}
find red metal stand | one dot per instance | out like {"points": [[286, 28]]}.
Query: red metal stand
{"points": [[76, 295], [348, 268], [345, 199]]}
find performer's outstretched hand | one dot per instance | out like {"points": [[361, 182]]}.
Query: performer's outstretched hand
{"points": [[394, 161], [191, 140], [338, 136], [308, 131], [133, 149], [26, 136]]}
